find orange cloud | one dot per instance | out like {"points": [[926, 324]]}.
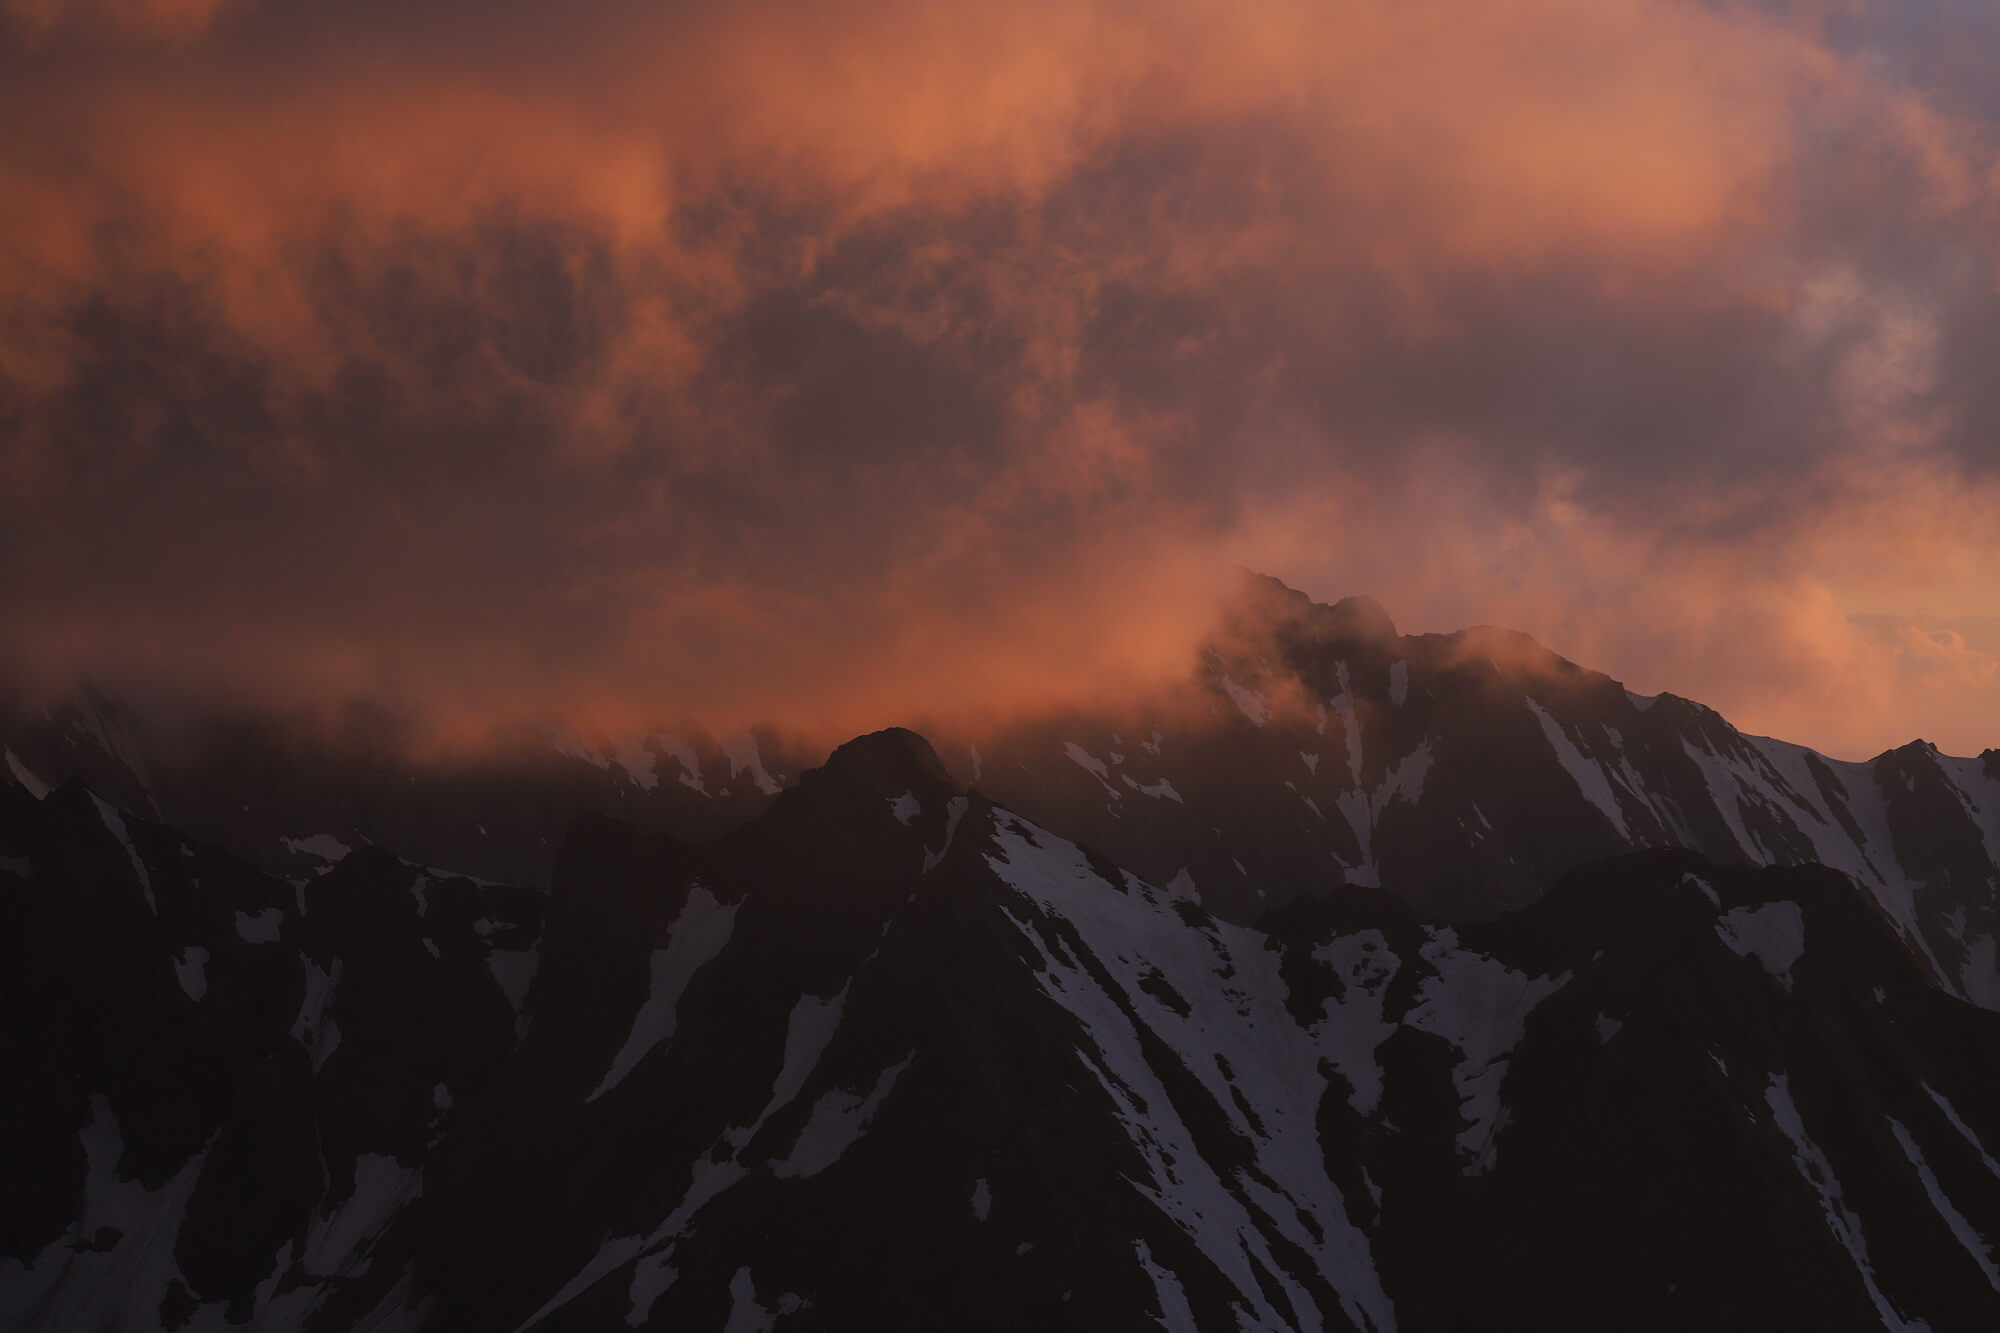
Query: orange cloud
{"points": [[831, 363], [177, 20]]}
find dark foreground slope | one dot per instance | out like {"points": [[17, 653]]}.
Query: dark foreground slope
{"points": [[892, 1057]]}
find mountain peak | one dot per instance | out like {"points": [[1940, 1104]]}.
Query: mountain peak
{"points": [[1359, 617], [1362, 617], [892, 757]]}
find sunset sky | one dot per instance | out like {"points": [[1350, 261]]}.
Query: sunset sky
{"points": [[831, 363]]}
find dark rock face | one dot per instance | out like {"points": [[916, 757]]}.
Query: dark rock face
{"points": [[1467, 772], [203, 1059], [892, 1056]]}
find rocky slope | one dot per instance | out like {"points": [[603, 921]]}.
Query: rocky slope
{"points": [[893, 1056], [1467, 772]]}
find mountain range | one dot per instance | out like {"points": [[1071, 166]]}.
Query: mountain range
{"points": [[1359, 981]]}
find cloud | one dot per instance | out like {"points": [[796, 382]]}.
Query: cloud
{"points": [[171, 20], [834, 363]]}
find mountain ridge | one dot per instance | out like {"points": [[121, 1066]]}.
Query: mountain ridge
{"points": [[858, 1063], [1313, 746]]}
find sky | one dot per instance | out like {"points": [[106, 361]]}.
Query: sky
{"points": [[828, 364]]}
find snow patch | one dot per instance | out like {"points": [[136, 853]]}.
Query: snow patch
{"points": [[1350, 723], [1965, 1130], [711, 1178], [337, 1244], [1730, 788], [1252, 704], [1092, 765], [1404, 782], [838, 1120], [314, 1027], [1399, 683], [319, 846], [638, 763], [70, 1285], [612, 1254], [1246, 1058], [1356, 1024], [745, 1315], [651, 1277], [809, 1031], [982, 1200], [1774, 934], [191, 970], [905, 807], [1176, 1315], [1813, 1165], [36, 787], [742, 752], [954, 811], [698, 934], [1962, 1230], [115, 822], [1480, 1006], [1980, 978], [566, 742], [1588, 776], [514, 972], [260, 927], [683, 755]]}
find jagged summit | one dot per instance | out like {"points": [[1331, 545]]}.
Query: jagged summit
{"points": [[892, 757], [1359, 618]]}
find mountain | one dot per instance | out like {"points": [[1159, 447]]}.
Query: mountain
{"points": [[892, 1055], [293, 794], [1314, 746], [1466, 772]]}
